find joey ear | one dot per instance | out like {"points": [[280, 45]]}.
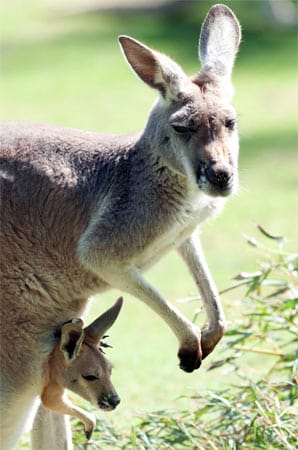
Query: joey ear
{"points": [[155, 69], [98, 328], [72, 335], [219, 41]]}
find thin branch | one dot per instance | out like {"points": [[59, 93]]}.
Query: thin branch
{"points": [[245, 348]]}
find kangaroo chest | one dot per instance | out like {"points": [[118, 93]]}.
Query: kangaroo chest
{"points": [[188, 219]]}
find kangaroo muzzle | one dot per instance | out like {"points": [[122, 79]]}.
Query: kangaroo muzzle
{"points": [[220, 175], [109, 402], [216, 179]]}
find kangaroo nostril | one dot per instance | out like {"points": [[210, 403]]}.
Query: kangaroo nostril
{"points": [[219, 175]]}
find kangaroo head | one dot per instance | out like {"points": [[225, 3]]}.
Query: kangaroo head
{"points": [[193, 125], [78, 363]]}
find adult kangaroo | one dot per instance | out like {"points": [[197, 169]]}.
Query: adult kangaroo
{"points": [[83, 212]]}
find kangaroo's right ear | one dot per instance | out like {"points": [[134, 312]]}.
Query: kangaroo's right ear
{"points": [[219, 41], [72, 335], [156, 70], [98, 328]]}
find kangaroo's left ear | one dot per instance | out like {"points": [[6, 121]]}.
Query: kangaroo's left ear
{"points": [[72, 335], [155, 69], [219, 41]]}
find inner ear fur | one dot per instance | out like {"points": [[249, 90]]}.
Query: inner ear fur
{"points": [[72, 336], [141, 58], [155, 69], [219, 41]]}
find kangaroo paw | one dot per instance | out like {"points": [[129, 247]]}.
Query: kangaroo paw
{"points": [[89, 421], [190, 360], [209, 341], [88, 434]]}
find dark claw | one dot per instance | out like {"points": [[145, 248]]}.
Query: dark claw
{"points": [[88, 434]]}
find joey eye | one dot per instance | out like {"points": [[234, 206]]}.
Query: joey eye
{"points": [[181, 129], [90, 377], [230, 124]]}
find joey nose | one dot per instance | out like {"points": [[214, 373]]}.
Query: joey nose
{"points": [[114, 400], [109, 402], [219, 175]]}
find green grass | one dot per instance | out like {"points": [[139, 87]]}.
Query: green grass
{"points": [[70, 71], [250, 409]]}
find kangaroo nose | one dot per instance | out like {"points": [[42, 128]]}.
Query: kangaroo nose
{"points": [[114, 400], [109, 402], [219, 175]]}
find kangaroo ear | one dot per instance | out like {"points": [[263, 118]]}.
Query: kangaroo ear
{"points": [[72, 336], [219, 41], [155, 69], [98, 328]]}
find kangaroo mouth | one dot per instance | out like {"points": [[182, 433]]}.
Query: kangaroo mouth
{"points": [[105, 406], [108, 403], [213, 189]]}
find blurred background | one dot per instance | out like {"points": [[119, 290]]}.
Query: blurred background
{"points": [[61, 64]]}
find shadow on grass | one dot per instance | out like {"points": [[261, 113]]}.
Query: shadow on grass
{"points": [[176, 30]]}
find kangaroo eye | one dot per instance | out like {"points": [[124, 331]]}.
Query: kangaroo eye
{"points": [[230, 124], [182, 130], [90, 377]]}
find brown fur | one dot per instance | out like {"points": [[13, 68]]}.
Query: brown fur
{"points": [[75, 357]]}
